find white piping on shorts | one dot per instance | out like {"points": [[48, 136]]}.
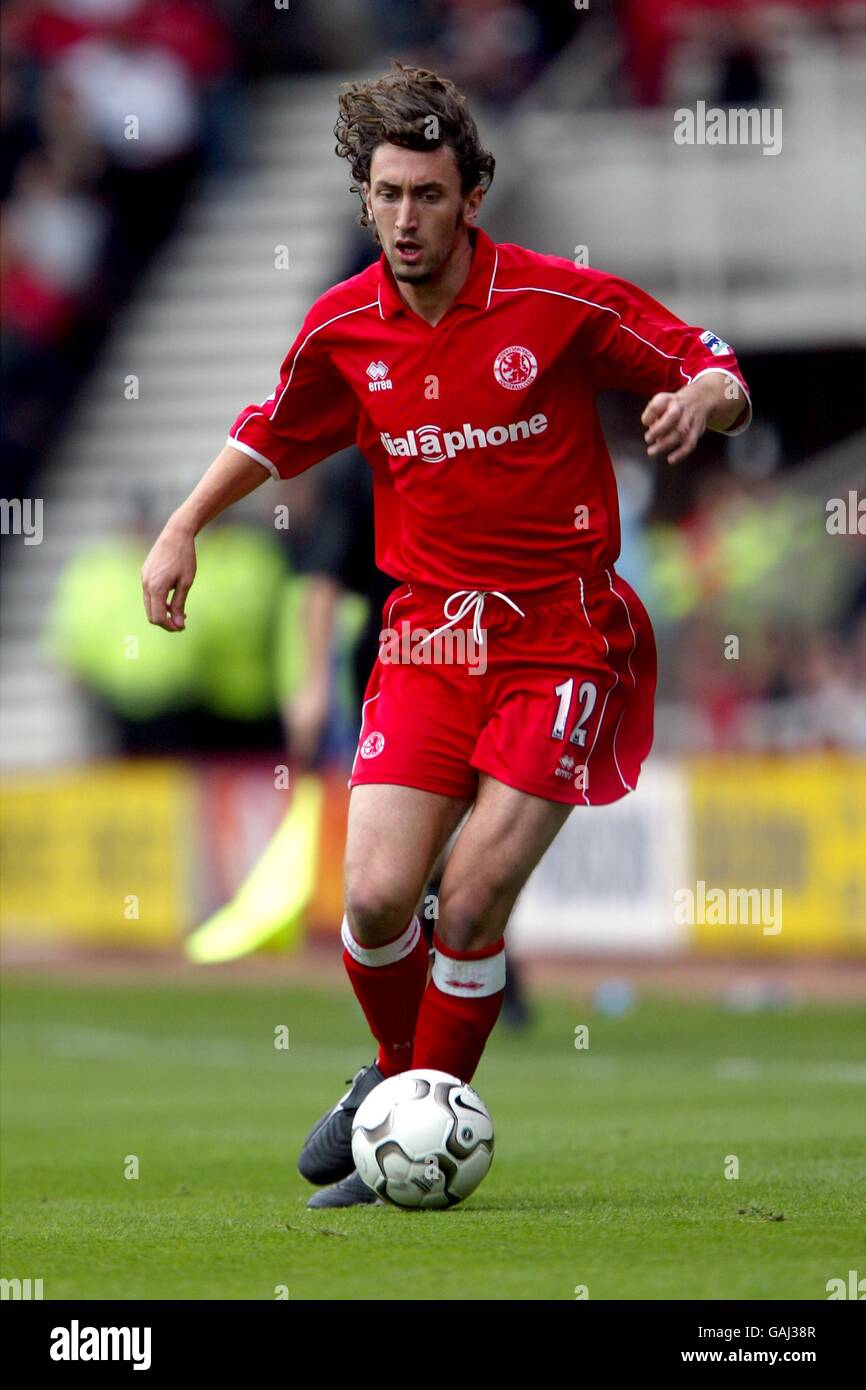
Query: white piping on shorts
{"points": [[627, 785]]}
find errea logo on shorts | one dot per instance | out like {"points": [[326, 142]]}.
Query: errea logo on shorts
{"points": [[572, 772], [434, 444]]}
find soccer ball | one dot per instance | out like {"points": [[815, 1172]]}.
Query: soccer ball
{"points": [[422, 1139]]}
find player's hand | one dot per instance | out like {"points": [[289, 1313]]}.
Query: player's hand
{"points": [[675, 421], [168, 570]]}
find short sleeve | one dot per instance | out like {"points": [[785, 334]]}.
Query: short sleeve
{"points": [[310, 414], [633, 343]]}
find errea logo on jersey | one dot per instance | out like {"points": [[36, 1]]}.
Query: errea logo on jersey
{"points": [[433, 444], [377, 372]]}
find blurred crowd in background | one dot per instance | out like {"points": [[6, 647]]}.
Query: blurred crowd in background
{"points": [[85, 200], [738, 548]]}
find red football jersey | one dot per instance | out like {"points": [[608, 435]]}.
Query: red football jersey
{"points": [[490, 469]]}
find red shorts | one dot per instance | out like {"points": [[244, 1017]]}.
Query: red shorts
{"points": [[557, 702]]}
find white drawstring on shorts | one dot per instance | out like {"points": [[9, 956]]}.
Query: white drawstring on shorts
{"points": [[469, 597]]}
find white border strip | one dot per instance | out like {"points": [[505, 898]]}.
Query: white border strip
{"points": [[469, 979], [259, 458], [374, 303], [626, 784], [381, 955], [748, 420], [561, 294], [361, 734]]}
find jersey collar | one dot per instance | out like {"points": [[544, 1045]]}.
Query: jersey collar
{"points": [[476, 289]]}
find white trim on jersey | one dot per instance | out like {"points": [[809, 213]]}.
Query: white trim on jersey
{"points": [[561, 294], [724, 371], [398, 599], [254, 454], [492, 278], [313, 331]]}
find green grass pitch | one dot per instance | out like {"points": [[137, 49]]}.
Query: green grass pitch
{"points": [[609, 1169]]}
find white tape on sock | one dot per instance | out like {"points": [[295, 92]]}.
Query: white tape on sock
{"points": [[381, 955], [470, 979]]}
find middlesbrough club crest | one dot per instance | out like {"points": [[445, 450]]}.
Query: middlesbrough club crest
{"points": [[515, 368], [372, 745]]}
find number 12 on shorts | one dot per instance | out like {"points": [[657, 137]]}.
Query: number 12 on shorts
{"points": [[587, 696]]}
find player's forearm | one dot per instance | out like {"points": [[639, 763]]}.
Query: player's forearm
{"points": [[720, 396], [319, 616], [231, 476], [306, 711]]}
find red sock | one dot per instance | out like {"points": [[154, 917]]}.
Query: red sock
{"points": [[389, 982], [460, 1006]]}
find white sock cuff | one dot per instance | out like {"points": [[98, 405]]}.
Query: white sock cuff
{"points": [[381, 955], [470, 979]]}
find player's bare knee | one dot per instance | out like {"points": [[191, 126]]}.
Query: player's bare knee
{"points": [[376, 916], [469, 918]]}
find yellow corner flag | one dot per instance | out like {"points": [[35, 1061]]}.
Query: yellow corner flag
{"points": [[270, 905]]}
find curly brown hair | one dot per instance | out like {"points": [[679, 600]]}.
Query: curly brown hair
{"points": [[416, 109]]}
